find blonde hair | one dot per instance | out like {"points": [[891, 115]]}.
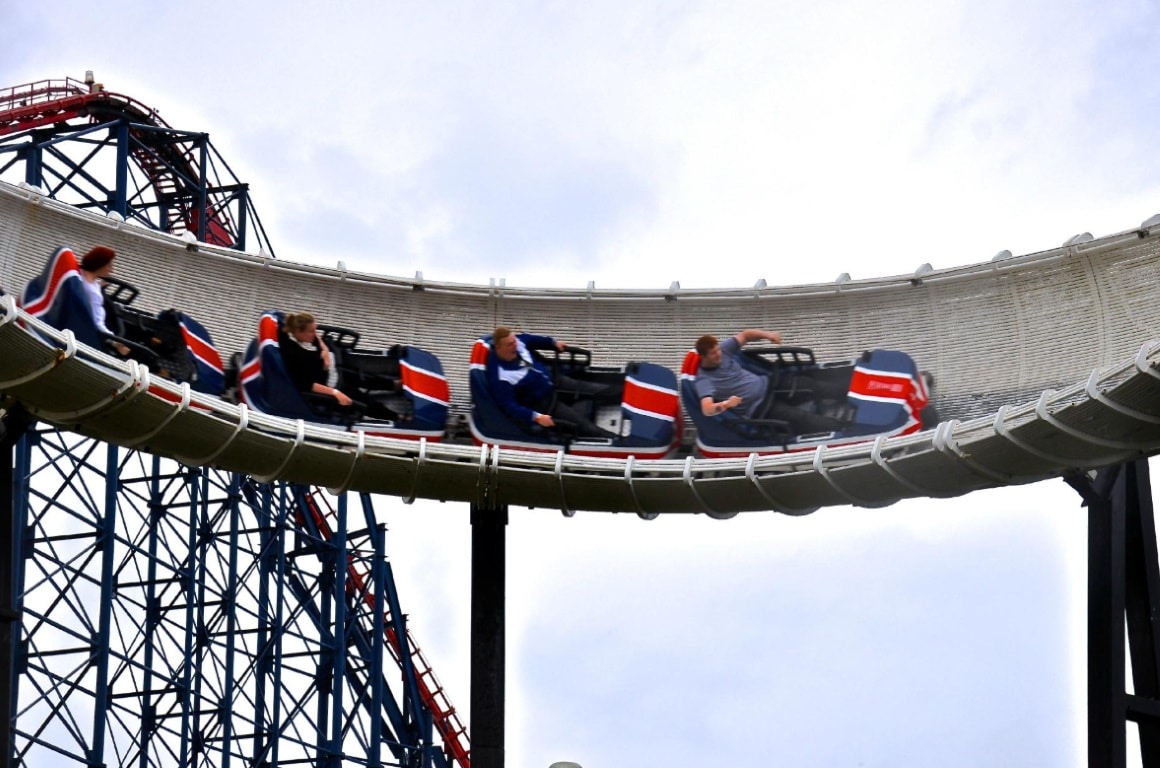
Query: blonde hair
{"points": [[295, 322]]}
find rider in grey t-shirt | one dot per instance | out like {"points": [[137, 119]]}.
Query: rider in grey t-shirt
{"points": [[721, 375], [731, 377], [720, 372]]}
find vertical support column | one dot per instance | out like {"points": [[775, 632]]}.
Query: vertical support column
{"points": [[1107, 736], [270, 536], [11, 527], [102, 641], [196, 485], [230, 608], [1142, 602], [1123, 583], [120, 201], [202, 188], [488, 574], [242, 216], [33, 156], [340, 640], [153, 612], [280, 514], [378, 640]]}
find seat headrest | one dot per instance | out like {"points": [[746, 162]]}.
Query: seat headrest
{"points": [[691, 364], [480, 351]]}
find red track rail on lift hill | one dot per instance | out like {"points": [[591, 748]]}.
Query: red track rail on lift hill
{"points": [[51, 102], [47, 102], [446, 719]]}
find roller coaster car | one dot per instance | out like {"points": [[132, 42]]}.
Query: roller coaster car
{"points": [[169, 343], [645, 417], [178, 347], [886, 395], [400, 392]]}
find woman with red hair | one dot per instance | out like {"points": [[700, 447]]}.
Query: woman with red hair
{"points": [[96, 265]]}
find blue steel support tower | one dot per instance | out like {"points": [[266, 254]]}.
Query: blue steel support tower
{"points": [[158, 614], [171, 615]]}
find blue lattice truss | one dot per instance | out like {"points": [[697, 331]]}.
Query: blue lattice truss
{"points": [[167, 615], [160, 177]]}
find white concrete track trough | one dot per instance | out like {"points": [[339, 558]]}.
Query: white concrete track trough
{"points": [[1043, 364]]}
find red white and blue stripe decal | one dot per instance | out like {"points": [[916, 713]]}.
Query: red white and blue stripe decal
{"points": [[650, 399], [201, 348], [62, 267], [872, 385], [252, 369], [425, 384]]}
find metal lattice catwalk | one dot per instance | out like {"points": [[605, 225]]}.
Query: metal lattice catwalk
{"points": [[175, 615]]}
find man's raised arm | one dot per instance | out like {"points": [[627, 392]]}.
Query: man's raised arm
{"points": [[756, 334]]}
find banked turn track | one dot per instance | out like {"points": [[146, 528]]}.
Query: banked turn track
{"points": [[1043, 364]]}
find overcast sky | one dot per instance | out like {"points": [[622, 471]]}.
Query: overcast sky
{"points": [[712, 143]]}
